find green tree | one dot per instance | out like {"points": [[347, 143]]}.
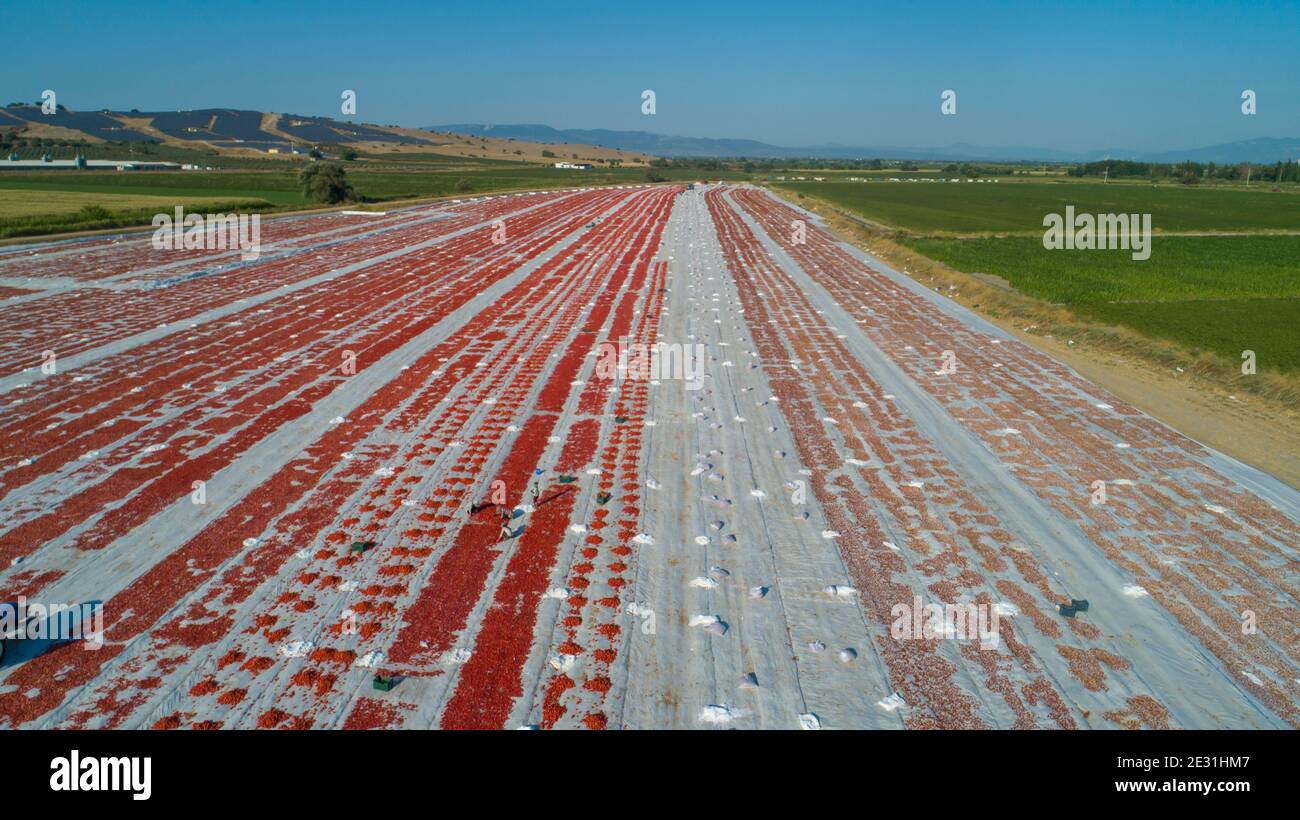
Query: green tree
{"points": [[325, 182]]}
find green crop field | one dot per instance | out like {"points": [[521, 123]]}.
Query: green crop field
{"points": [[280, 189], [1225, 326], [277, 187], [16, 204], [1216, 293], [1013, 206], [1219, 293]]}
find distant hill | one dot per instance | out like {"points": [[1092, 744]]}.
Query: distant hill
{"points": [[1257, 150], [643, 141], [217, 126], [1264, 150], [239, 131]]}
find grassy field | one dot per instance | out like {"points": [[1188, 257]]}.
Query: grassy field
{"points": [[276, 189], [15, 203], [1209, 296], [1010, 205], [35, 213], [56, 202], [1224, 294], [1223, 326], [281, 187]]}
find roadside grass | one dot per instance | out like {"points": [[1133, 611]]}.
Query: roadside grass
{"points": [[946, 208]]}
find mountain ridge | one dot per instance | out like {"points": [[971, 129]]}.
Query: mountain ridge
{"points": [[1257, 150], [243, 131]]}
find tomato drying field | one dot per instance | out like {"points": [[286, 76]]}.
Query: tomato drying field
{"points": [[385, 476]]}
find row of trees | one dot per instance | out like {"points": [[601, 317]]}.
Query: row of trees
{"points": [[11, 140], [966, 169], [1187, 172], [1190, 172], [782, 166]]}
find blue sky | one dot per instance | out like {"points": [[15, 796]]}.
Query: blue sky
{"points": [[1146, 76]]}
